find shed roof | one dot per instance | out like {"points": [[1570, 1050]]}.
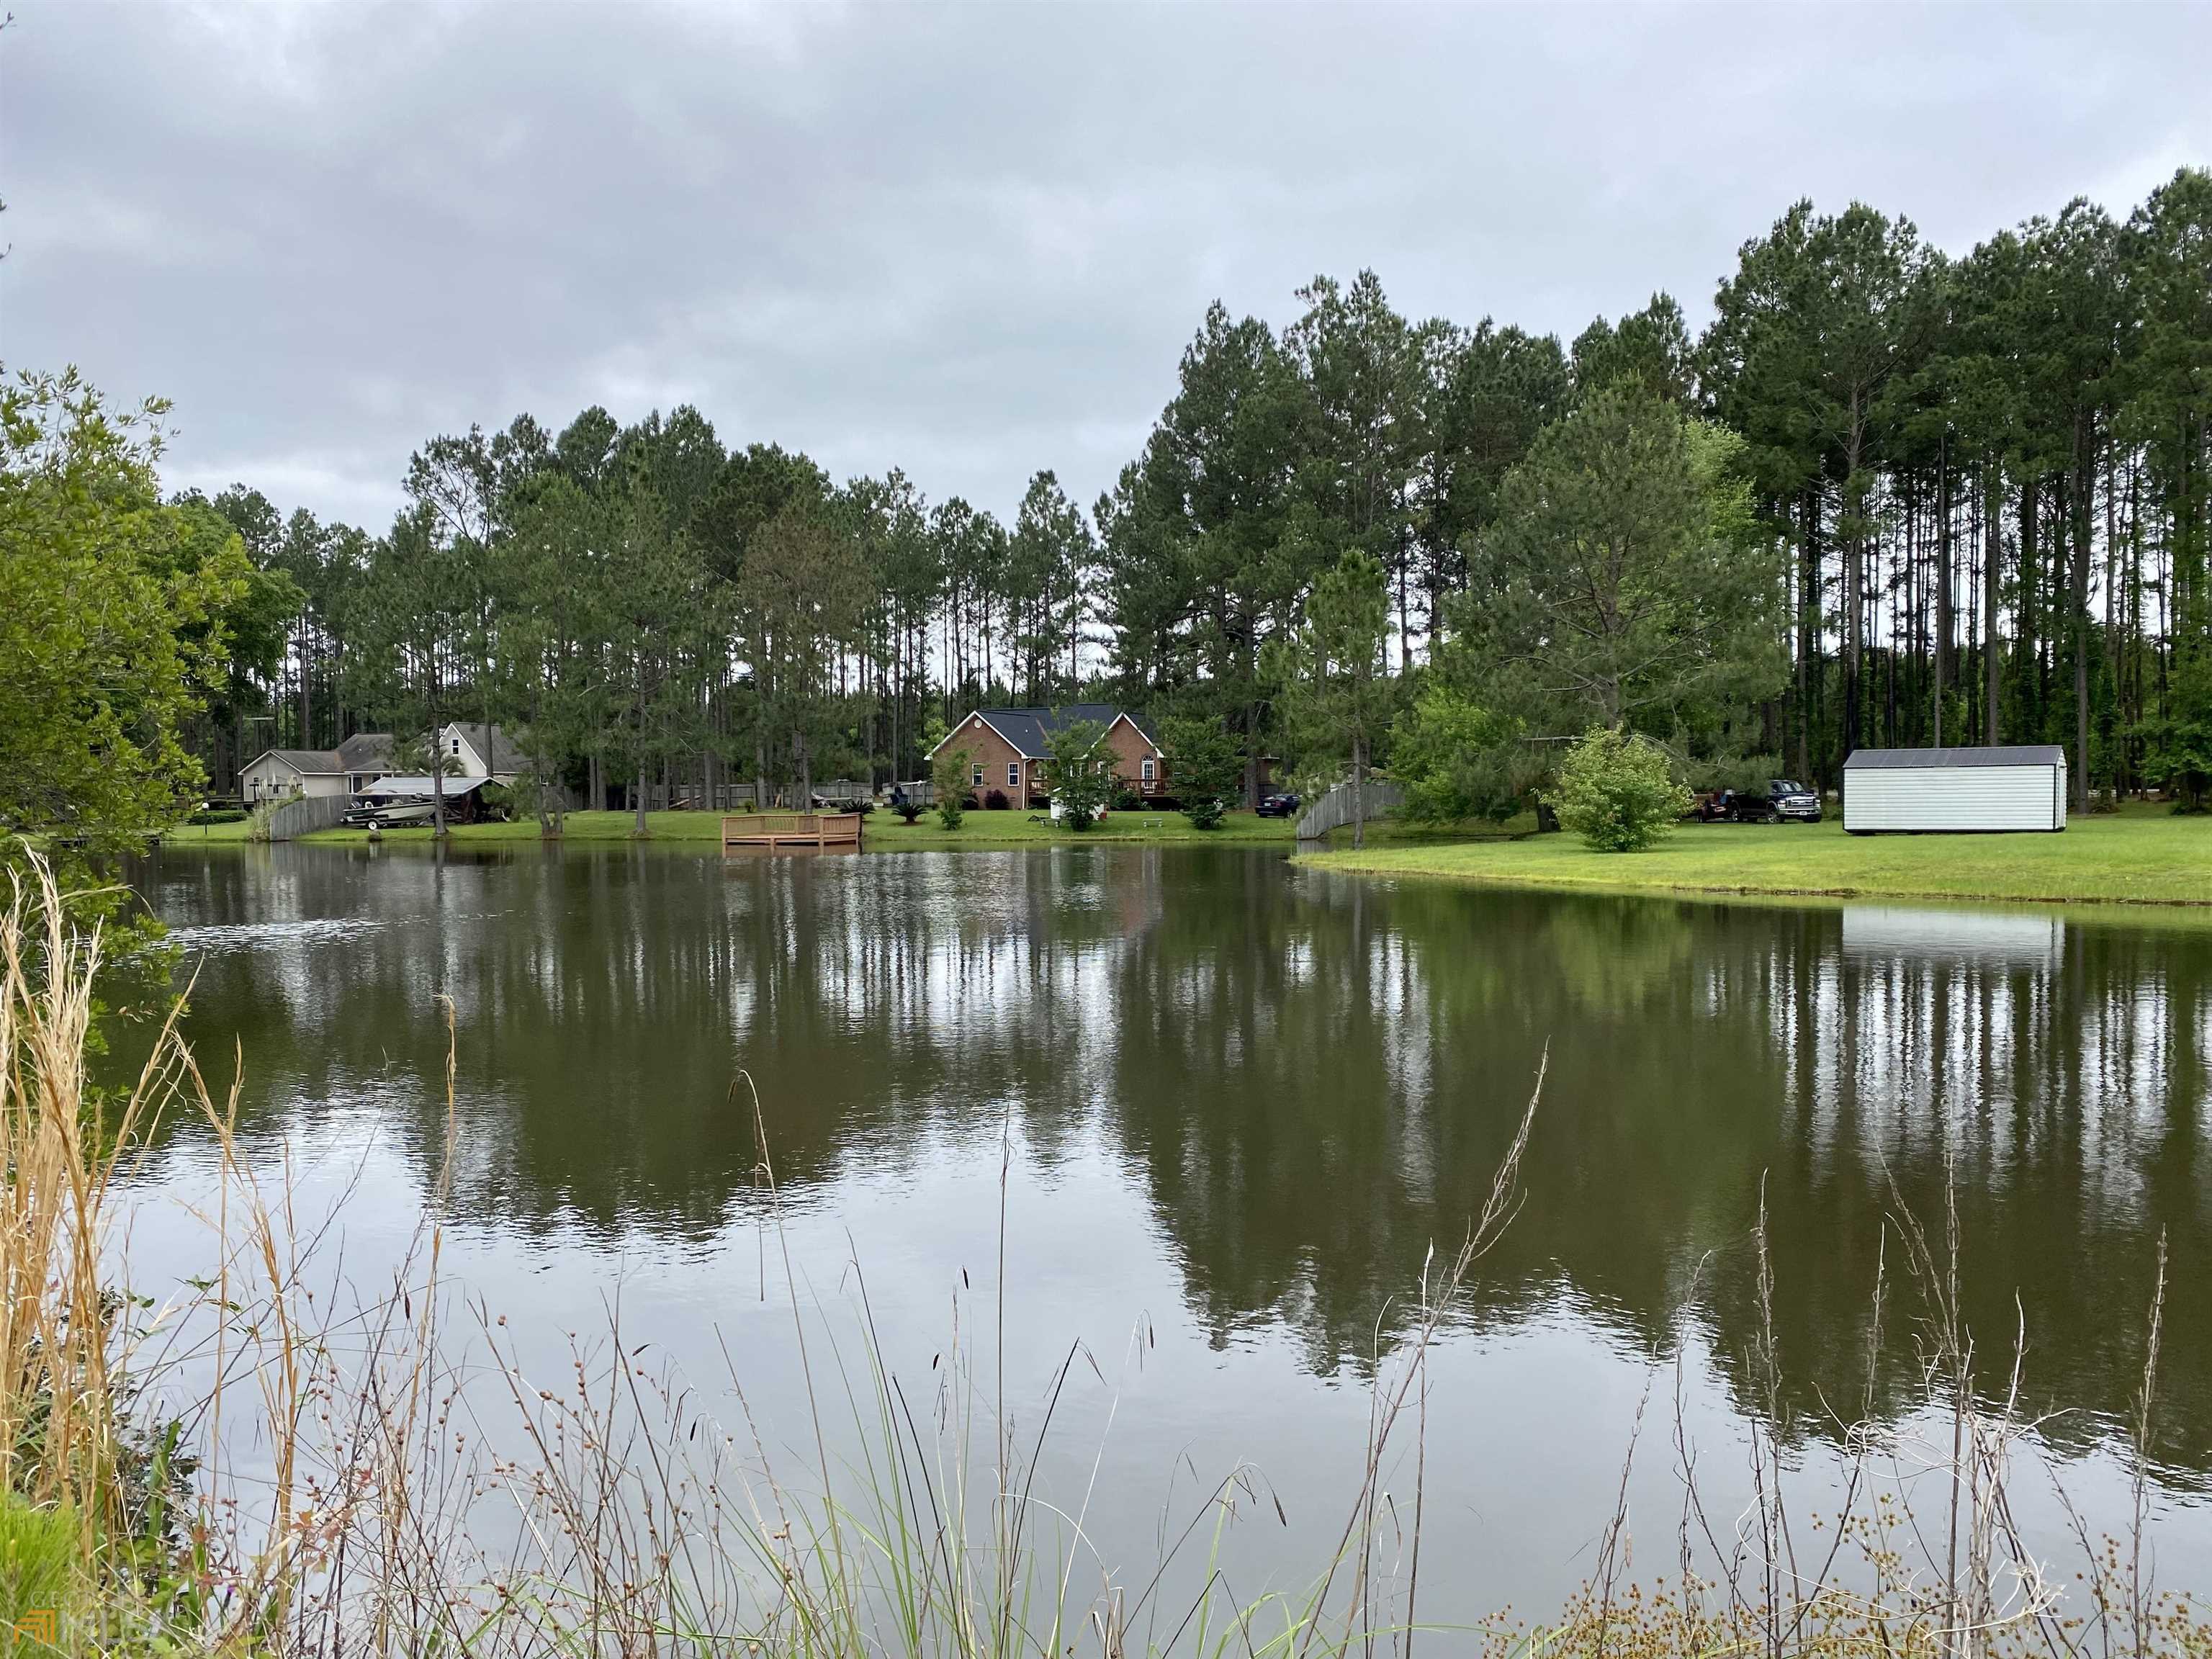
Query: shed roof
{"points": [[2023, 753]]}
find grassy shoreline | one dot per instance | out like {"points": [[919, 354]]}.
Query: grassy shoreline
{"points": [[884, 832], [2139, 856]]}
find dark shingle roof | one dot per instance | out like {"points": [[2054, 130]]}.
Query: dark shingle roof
{"points": [[491, 742], [2026, 754], [308, 760], [364, 751], [1029, 729]]}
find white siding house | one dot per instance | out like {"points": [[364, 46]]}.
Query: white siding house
{"points": [[279, 773], [479, 751], [1955, 790], [283, 772]]}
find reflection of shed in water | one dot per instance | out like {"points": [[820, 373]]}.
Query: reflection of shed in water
{"points": [[1897, 930]]}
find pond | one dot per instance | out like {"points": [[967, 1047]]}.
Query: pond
{"points": [[1237, 1101]]}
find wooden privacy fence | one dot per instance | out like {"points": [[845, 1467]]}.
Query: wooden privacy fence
{"points": [[792, 829], [297, 817], [1333, 810]]}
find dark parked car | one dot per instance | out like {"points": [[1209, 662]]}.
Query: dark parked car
{"points": [[1277, 806], [1782, 801]]}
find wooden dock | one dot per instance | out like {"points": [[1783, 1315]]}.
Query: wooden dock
{"points": [[792, 829]]}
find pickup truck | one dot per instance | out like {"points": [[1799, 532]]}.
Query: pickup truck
{"points": [[1782, 801]]}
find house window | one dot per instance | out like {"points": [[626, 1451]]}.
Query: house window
{"points": [[1013, 774], [1145, 769], [977, 780], [457, 745]]}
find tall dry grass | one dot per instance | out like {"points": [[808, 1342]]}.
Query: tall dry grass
{"points": [[61, 1145], [377, 1470]]}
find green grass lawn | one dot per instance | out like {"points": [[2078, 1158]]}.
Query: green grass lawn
{"points": [[884, 832], [191, 835], [696, 827], [2141, 855]]}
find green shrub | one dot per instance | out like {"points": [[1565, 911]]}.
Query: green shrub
{"points": [[948, 776], [1206, 768], [1617, 793], [1455, 760], [218, 815], [258, 827], [1078, 773]]}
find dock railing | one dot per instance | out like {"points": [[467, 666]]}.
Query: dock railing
{"points": [[1334, 810], [792, 829]]}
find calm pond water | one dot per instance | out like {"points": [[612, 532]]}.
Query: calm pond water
{"points": [[1243, 1100]]}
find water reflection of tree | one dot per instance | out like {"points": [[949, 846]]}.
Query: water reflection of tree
{"points": [[1330, 1084], [1313, 1079], [608, 1003]]}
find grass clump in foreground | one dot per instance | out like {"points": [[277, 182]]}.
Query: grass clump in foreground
{"points": [[2141, 855], [370, 1473]]}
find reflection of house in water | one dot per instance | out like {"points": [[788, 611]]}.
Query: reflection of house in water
{"points": [[1990, 936]]}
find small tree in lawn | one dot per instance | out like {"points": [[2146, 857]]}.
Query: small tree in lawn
{"points": [[1079, 771], [1618, 793], [1208, 765], [948, 779]]}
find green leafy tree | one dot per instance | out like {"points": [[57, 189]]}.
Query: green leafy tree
{"points": [[1626, 584], [1332, 683], [1205, 765], [410, 633], [1202, 567], [1049, 561], [1361, 438], [1079, 771], [1445, 750], [949, 779], [1487, 392], [116, 614], [1649, 350], [2178, 755], [114, 620], [800, 593], [554, 679], [1617, 791]]}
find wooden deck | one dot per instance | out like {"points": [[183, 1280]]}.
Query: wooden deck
{"points": [[792, 829]]}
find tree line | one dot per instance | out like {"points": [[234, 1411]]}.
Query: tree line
{"points": [[1888, 496]]}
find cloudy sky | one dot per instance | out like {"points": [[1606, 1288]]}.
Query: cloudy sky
{"points": [[967, 241]]}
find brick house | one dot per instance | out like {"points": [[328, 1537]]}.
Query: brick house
{"points": [[1008, 749]]}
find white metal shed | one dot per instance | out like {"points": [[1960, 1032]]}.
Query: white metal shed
{"points": [[1958, 790]]}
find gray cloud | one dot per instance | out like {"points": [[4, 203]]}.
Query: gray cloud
{"points": [[970, 242]]}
